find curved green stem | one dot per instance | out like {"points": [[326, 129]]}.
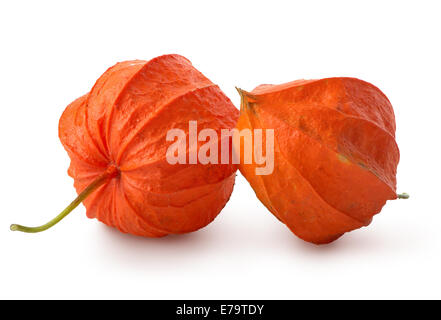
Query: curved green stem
{"points": [[403, 195], [100, 180]]}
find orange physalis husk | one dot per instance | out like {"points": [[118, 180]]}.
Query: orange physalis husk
{"points": [[335, 155], [116, 139]]}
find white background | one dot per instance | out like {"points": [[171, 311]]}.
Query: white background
{"points": [[52, 52]]}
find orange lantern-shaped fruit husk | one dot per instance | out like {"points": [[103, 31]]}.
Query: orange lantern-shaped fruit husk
{"points": [[335, 155], [116, 138]]}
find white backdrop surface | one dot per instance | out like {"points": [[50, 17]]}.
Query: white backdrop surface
{"points": [[52, 52]]}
